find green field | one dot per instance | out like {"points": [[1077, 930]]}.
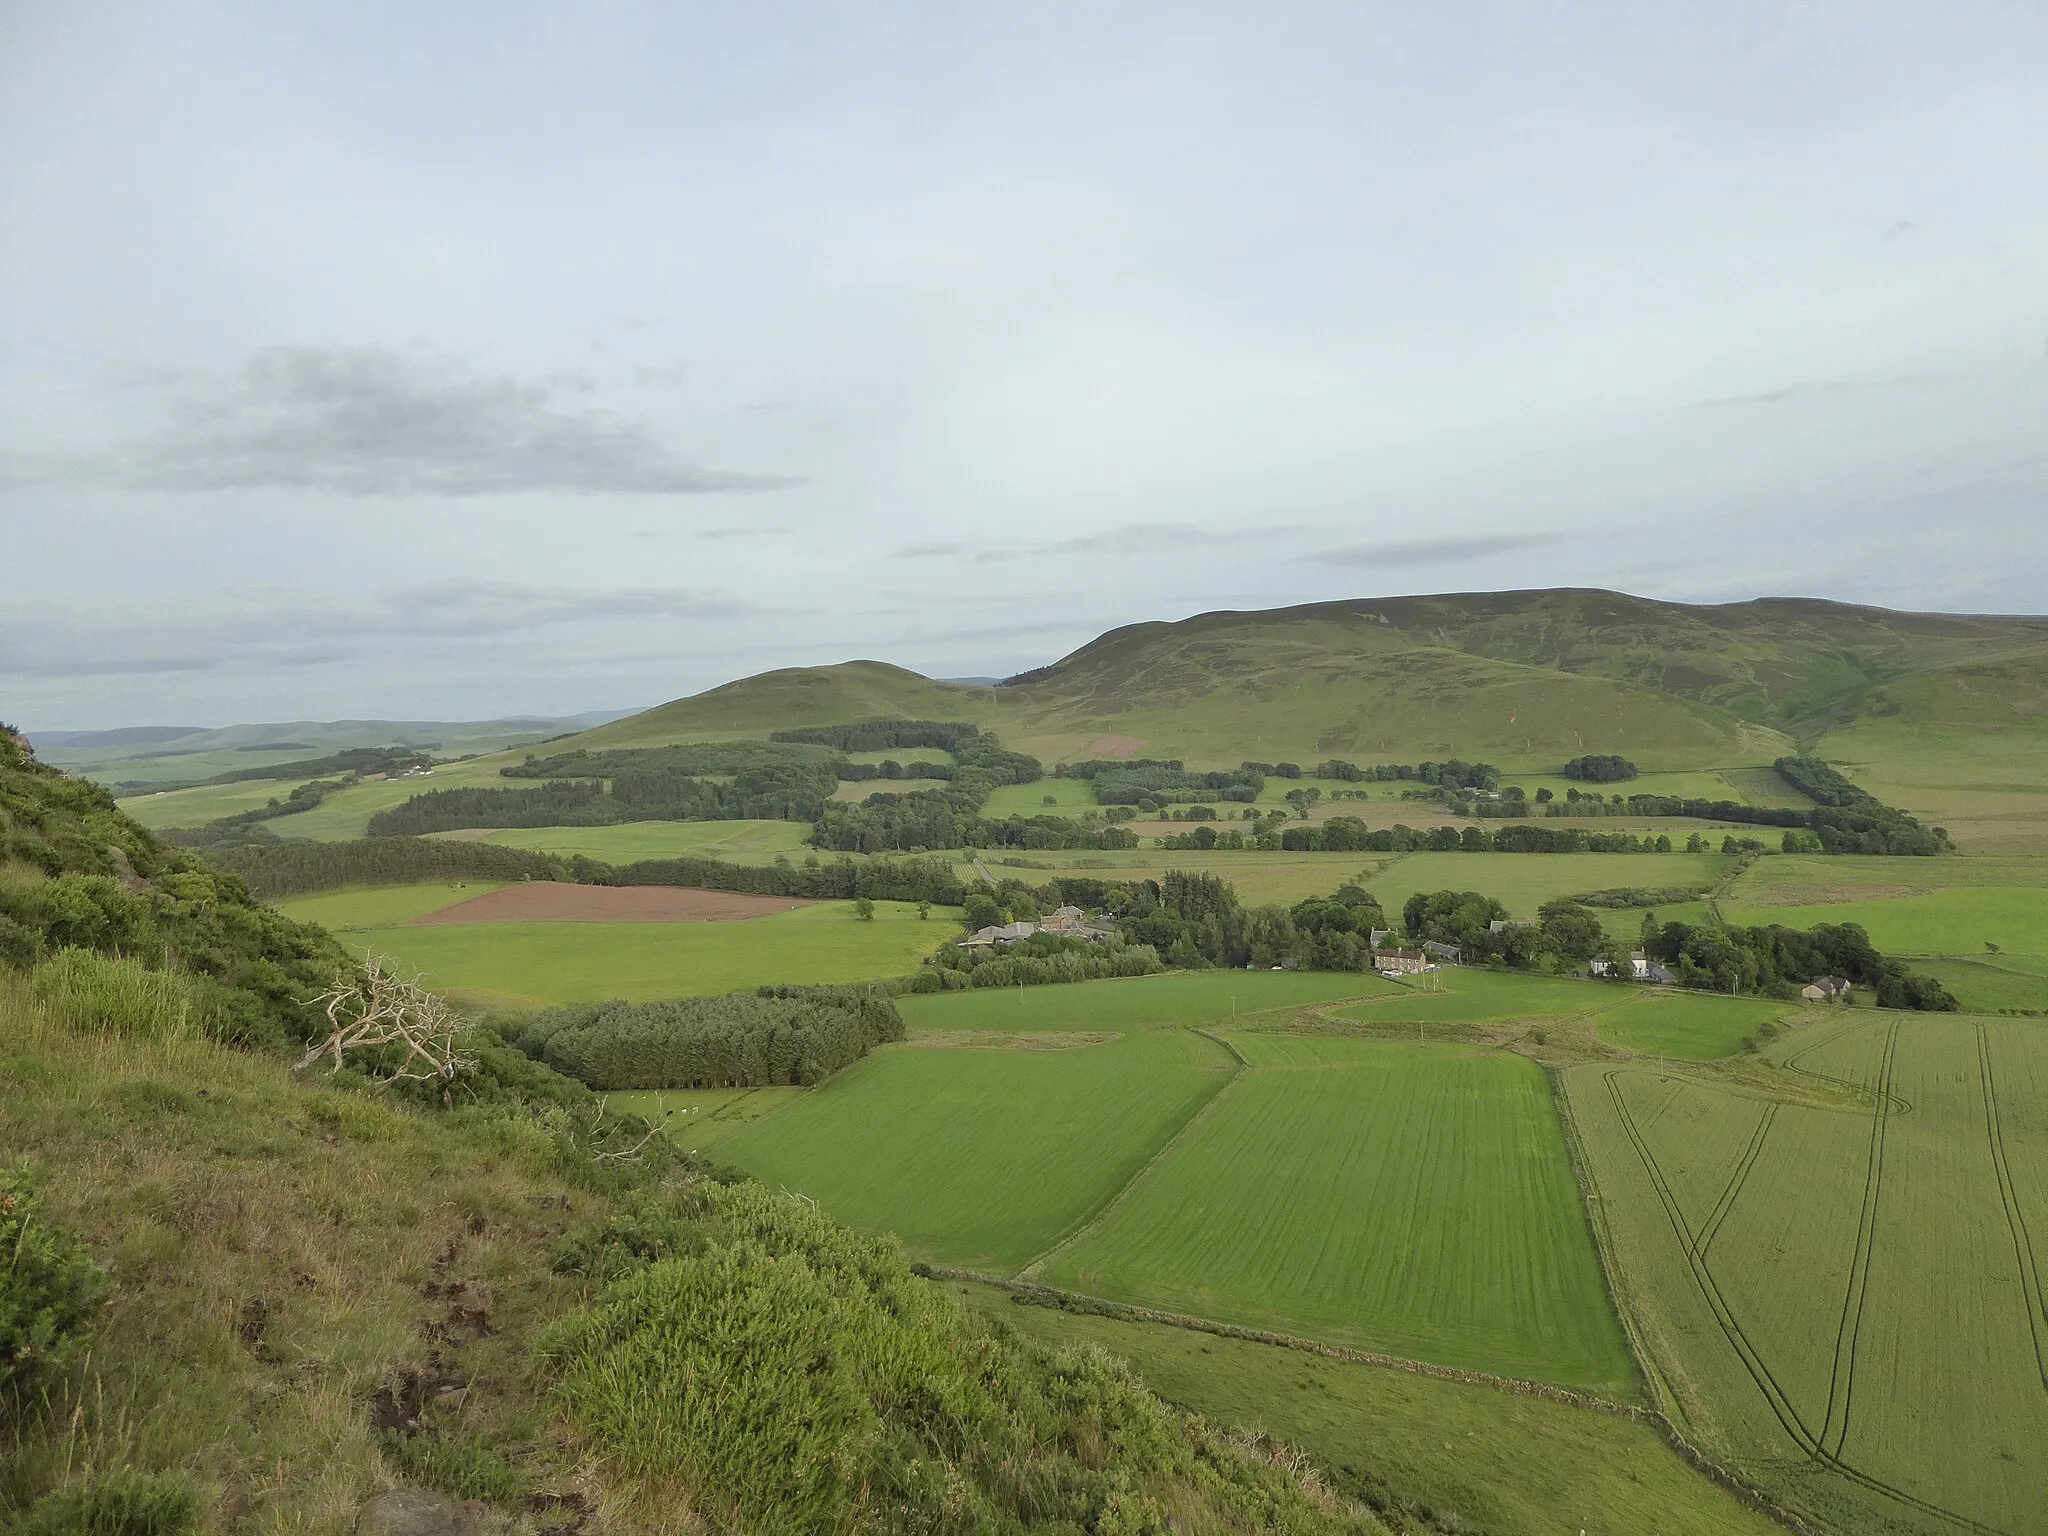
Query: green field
{"points": [[982, 1158], [1626, 923], [1470, 995], [1069, 797], [1993, 983], [1176, 999], [737, 842], [207, 802], [1952, 922], [1524, 881], [1805, 880], [1413, 1199], [380, 906], [698, 1118], [347, 813], [1841, 1295], [525, 965], [1258, 877], [1689, 1026], [1500, 1462]]}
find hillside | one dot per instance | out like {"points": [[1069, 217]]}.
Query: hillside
{"points": [[1520, 678]]}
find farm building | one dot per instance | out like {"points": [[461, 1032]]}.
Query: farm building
{"points": [[1450, 954], [1400, 962], [1826, 989], [1641, 968], [1066, 923]]}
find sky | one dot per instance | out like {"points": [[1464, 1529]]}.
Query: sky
{"points": [[451, 361]]}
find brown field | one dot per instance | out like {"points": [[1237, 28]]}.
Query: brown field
{"points": [[544, 901], [1115, 746]]}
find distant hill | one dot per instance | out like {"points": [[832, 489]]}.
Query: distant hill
{"points": [[1520, 678], [149, 756]]}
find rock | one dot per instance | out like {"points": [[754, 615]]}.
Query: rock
{"points": [[413, 1512]]}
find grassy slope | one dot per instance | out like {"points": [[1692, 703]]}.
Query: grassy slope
{"points": [[192, 807], [1525, 881], [982, 1158], [1411, 1199], [1960, 921], [1501, 1463], [524, 965]]}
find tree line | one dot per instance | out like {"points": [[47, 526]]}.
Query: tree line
{"points": [[775, 1036]]}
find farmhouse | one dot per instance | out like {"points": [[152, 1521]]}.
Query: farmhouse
{"points": [[1400, 962], [1641, 968], [1065, 923], [1826, 989], [1450, 954], [1503, 924]]}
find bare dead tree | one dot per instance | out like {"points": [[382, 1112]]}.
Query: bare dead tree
{"points": [[623, 1154], [382, 1008]]}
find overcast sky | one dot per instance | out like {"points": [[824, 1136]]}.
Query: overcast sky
{"points": [[443, 360]]}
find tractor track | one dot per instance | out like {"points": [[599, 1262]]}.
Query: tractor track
{"points": [[2015, 1218]]}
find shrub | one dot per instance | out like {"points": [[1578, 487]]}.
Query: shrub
{"points": [[48, 1288], [123, 1503]]}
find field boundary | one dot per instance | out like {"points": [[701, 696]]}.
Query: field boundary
{"points": [[1101, 1212], [1053, 1297]]}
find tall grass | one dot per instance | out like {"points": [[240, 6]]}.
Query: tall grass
{"points": [[94, 994]]}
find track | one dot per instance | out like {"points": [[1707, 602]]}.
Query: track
{"points": [[2022, 1240], [1694, 1246]]}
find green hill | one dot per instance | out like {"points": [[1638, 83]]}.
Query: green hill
{"points": [[1521, 678]]}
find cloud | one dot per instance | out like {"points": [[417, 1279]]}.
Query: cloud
{"points": [[1128, 539], [268, 630], [761, 532], [1440, 551], [1821, 387], [366, 421]]}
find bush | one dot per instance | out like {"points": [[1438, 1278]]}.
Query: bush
{"points": [[123, 1503], [48, 1288], [94, 994]]}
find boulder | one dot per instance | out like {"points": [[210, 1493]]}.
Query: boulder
{"points": [[413, 1512]]}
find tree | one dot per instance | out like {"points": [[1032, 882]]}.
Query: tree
{"points": [[1571, 931], [982, 911], [864, 909], [924, 909]]}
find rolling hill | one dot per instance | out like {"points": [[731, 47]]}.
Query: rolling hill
{"points": [[1521, 678]]}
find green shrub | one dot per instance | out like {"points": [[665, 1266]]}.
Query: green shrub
{"points": [[462, 1469], [48, 1287], [123, 1503]]}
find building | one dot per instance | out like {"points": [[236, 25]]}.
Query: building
{"points": [[1826, 989], [1065, 923], [1503, 924], [1400, 962], [1450, 954], [1640, 967]]}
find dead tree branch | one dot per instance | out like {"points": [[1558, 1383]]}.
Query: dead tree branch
{"points": [[381, 1008]]}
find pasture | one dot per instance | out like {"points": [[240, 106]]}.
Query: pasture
{"points": [[380, 906], [206, 802], [737, 842], [1838, 1282], [696, 1119], [1524, 881], [1993, 983], [1413, 1199], [1689, 1026], [1176, 999], [982, 1158], [1960, 921], [1069, 798], [1258, 877], [1501, 1462], [527, 965]]}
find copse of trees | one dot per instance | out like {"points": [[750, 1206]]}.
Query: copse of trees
{"points": [[1779, 961], [1041, 960], [1600, 768], [880, 879], [1164, 781], [691, 759], [274, 867], [886, 735], [776, 1036], [1455, 774], [639, 792]]}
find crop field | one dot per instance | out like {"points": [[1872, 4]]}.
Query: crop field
{"points": [[852, 792], [526, 965], [1806, 880], [1501, 1462], [1839, 1284], [982, 1158], [1962, 921], [1414, 1199], [1190, 999], [380, 906], [1524, 881], [737, 842]]}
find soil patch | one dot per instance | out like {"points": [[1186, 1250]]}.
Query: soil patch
{"points": [[548, 901], [1114, 746]]}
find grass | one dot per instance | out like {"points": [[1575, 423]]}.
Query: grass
{"points": [[1626, 923], [1414, 1199], [697, 1118], [1524, 881], [527, 965], [1477, 996], [1175, 999], [379, 906], [1802, 880], [1688, 1026], [1834, 1282], [1069, 796], [1499, 1462], [207, 802], [738, 842], [1258, 877], [1993, 983], [982, 1158], [347, 814], [1959, 921]]}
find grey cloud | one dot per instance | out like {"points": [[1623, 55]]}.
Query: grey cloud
{"points": [[1820, 387], [366, 421], [1404, 552], [741, 533], [1127, 539], [266, 631]]}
